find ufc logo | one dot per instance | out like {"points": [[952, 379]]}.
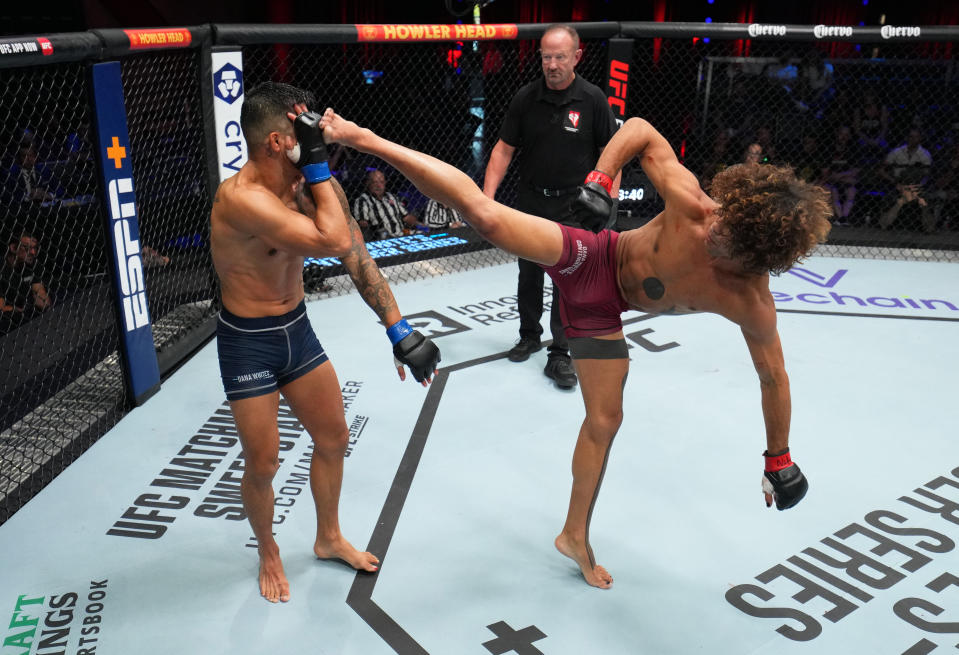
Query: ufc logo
{"points": [[618, 77]]}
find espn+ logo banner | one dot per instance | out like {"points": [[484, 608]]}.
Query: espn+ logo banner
{"points": [[116, 170]]}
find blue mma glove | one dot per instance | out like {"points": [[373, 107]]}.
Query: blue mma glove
{"points": [[309, 154], [412, 349]]}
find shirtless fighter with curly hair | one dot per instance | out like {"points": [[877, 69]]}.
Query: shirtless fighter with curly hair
{"points": [[703, 253]]}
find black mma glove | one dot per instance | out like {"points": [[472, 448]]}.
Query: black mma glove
{"points": [[309, 154], [412, 349], [783, 481], [592, 204]]}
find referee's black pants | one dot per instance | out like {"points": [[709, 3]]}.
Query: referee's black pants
{"points": [[529, 288]]}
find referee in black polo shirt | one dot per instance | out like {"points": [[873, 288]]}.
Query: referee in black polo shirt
{"points": [[560, 123]]}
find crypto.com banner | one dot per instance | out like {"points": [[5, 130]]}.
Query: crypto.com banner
{"points": [[231, 149]]}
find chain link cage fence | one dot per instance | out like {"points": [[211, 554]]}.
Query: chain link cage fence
{"points": [[60, 382], [839, 112], [446, 99], [876, 124], [165, 121], [834, 110]]}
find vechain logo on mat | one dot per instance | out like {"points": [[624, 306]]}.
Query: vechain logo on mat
{"points": [[831, 279]]}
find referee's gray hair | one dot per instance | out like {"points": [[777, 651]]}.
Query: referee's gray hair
{"points": [[569, 29]]}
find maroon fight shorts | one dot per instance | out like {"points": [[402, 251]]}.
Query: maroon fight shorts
{"points": [[590, 302]]}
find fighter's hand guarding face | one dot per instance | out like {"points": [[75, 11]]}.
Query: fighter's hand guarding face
{"points": [[309, 154]]}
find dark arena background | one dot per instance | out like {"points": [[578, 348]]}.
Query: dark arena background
{"points": [[809, 93]]}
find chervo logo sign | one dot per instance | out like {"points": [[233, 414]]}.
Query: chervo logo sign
{"points": [[756, 29], [827, 31], [892, 32]]}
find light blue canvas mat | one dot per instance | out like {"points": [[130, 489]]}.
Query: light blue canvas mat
{"points": [[140, 546]]}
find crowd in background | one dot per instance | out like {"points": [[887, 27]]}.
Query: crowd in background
{"points": [[888, 162], [886, 147]]}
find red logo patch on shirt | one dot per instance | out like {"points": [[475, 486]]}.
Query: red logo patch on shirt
{"points": [[574, 118]]}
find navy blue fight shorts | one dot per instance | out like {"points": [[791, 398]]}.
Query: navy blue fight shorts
{"points": [[260, 355]]}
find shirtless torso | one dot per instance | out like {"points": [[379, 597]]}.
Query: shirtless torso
{"points": [[259, 236], [664, 268], [257, 278], [681, 261]]}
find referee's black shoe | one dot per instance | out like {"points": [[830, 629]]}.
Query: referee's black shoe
{"points": [[560, 370], [525, 347]]}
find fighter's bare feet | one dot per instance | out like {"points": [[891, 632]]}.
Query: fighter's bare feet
{"points": [[595, 575], [337, 129], [341, 549], [273, 583]]}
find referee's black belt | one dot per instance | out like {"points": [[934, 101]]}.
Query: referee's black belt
{"points": [[553, 193]]}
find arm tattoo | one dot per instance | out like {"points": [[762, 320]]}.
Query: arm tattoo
{"points": [[364, 272]]}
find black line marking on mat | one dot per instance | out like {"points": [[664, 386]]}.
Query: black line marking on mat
{"points": [[360, 596], [921, 647], [858, 315], [514, 641]]}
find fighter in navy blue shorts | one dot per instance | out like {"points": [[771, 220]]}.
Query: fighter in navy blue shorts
{"points": [[590, 301], [259, 355]]}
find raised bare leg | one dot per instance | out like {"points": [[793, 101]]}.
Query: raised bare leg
{"points": [[256, 422], [527, 236], [601, 383], [317, 403]]}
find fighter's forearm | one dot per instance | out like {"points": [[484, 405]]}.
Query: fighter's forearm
{"points": [[617, 181], [324, 213], [363, 271], [629, 141], [369, 281], [777, 411]]}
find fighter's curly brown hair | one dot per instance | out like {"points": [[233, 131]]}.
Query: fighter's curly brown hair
{"points": [[772, 218]]}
